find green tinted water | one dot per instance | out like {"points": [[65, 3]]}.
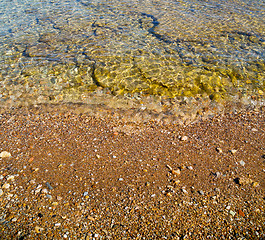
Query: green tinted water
{"points": [[67, 51]]}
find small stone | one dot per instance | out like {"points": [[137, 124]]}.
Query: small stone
{"points": [[201, 192], [153, 195], [5, 154], [168, 194], [219, 150], [244, 181], [255, 184], [59, 198], [184, 138], [38, 229], [242, 163], [55, 203], [241, 213], [44, 190], [218, 174], [49, 196], [6, 185], [11, 177], [190, 167], [232, 213], [176, 182], [32, 181], [49, 185], [1, 192], [184, 190], [175, 172], [85, 194], [14, 219], [120, 179], [170, 168], [233, 151], [57, 224], [37, 190]]}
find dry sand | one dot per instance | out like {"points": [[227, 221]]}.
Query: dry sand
{"points": [[73, 176]]}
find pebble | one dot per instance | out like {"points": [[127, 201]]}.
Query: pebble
{"points": [[120, 179], [184, 191], [242, 163], [38, 229], [11, 177], [49, 186], [233, 151], [175, 172], [190, 167], [218, 174], [57, 224], [6, 185], [241, 213], [184, 138], [232, 213], [219, 150], [201, 192], [44, 190], [169, 167], [85, 194], [5, 154], [1, 192], [49, 196], [255, 184], [244, 181]]}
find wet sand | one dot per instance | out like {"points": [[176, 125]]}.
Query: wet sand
{"points": [[76, 176]]}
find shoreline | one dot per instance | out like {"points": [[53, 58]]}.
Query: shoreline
{"points": [[72, 175]]}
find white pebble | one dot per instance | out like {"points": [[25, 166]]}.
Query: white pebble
{"points": [[1, 192], [242, 163], [5, 154], [6, 185], [57, 224], [233, 151], [184, 138], [184, 191], [232, 213], [11, 177], [44, 190]]}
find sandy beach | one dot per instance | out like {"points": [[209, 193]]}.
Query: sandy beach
{"points": [[68, 175]]}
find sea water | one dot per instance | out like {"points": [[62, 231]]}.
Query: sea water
{"points": [[102, 51]]}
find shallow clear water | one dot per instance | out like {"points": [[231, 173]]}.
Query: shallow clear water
{"points": [[64, 51]]}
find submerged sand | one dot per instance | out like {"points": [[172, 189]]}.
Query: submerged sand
{"points": [[76, 176]]}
